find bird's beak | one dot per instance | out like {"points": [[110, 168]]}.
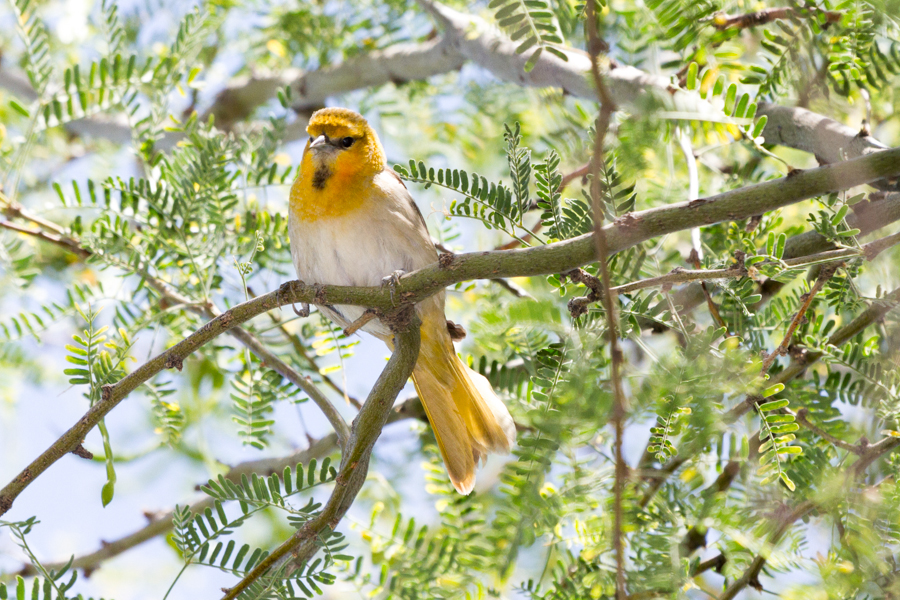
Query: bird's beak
{"points": [[319, 141]]}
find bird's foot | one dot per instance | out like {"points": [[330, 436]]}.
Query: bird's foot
{"points": [[392, 280], [303, 311]]}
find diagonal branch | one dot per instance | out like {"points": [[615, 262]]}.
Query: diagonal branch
{"points": [[824, 275], [161, 523], [367, 426]]}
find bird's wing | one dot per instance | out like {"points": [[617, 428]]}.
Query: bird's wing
{"points": [[409, 197], [408, 220]]}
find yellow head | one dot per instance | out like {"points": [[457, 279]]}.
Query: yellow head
{"points": [[341, 157]]}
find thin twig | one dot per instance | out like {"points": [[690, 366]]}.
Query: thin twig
{"points": [[801, 361], [14, 210], [568, 178], [680, 275], [300, 349], [713, 308], [824, 275], [722, 21], [356, 325], [619, 409], [803, 421], [47, 237], [513, 288]]}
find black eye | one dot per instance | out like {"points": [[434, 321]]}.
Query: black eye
{"points": [[347, 142]]}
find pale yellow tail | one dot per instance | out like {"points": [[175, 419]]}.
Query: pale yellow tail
{"points": [[468, 419]]}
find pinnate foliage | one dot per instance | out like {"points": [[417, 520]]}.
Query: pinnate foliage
{"points": [[532, 25], [196, 223]]}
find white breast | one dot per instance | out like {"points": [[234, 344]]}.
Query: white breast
{"points": [[362, 247]]}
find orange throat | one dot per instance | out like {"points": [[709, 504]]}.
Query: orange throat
{"points": [[324, 192]]}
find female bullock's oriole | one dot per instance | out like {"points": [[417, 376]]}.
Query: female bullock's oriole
{"points": [[352, 222]]}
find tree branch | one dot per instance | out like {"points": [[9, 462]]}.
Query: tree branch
{"points": [[482, 43], [367, 426], [396, 64], [161, 523], [210, 311], [824, 275], [830, 141]]}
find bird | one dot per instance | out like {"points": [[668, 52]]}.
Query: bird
{"points": [[353, 222]]}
